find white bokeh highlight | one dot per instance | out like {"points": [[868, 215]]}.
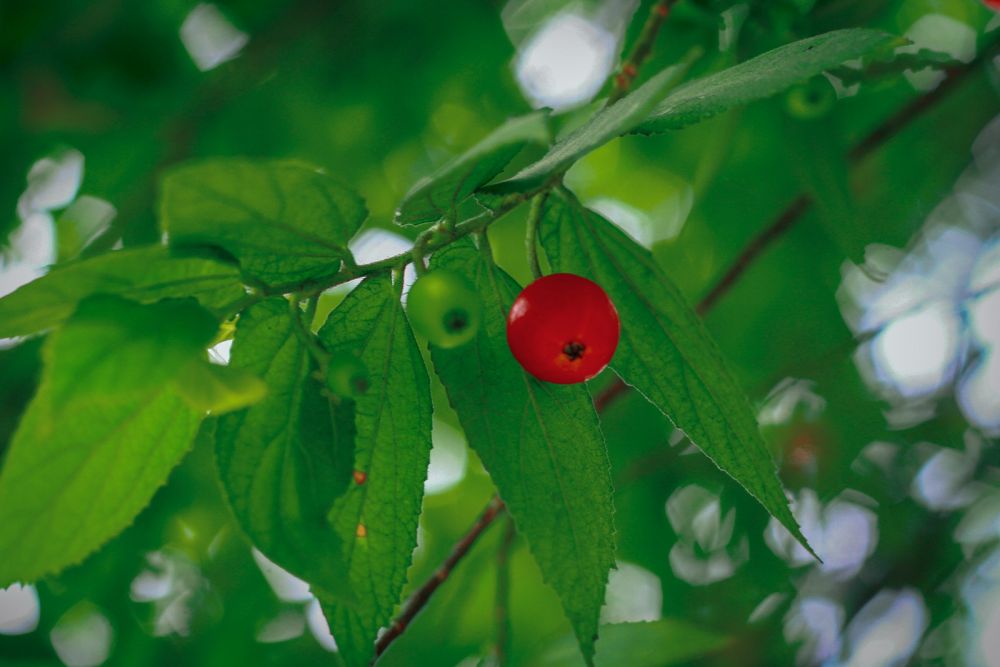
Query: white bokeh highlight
{"points": [[815, 624], [843, 533], [82, 637], [705, 551], [565, 62], [209, 37], [887, 630], [19, 609], [633, 594]]}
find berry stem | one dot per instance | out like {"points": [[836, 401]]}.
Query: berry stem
{"points": [[531, 234], [302, 322]]}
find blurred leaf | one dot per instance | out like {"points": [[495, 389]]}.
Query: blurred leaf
{"points": [[437, 195], [278, 459], [84, 220], [605, 125], [102, 433], [889, 62], [654, 644], [143, 274], [760, 77], [284, 221], [22, 366], [665, 351], [218, 389], [377, 518], [823, 171], [542, 445]]}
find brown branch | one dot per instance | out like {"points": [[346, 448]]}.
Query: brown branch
{"points": [[658, 14], [902, 118], [750, 254], [423, 594], [757, 245]]}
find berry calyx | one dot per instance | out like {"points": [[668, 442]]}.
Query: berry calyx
{"points": [[443, 308], [563, 328], [811, 99], [346, 375]]}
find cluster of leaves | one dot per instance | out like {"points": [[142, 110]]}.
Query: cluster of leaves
{"points": [[331, 489]]}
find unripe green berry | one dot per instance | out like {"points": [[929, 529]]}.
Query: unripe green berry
{"points": [[444, 308], [346, 375]]}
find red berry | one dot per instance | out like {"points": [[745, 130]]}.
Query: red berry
{"points": [[563, 328], [992, 4]]}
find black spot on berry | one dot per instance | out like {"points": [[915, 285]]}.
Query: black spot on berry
{"points": [[456, 319], [574, 350]]}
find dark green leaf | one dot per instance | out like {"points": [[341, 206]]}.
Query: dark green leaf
{"points": [[437, 195], [218, 389], [665, 351], [607, 124], [542, 445], [891, 62], [278, 460], [377, 518], [654, 644], [760, 77], [284, 221], [142, 274], [101, 434]]}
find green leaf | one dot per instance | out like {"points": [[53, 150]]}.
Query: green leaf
{"points": [[605, 125], [279, 460], [218, 389], [760, 77], [284, 221], [437, 195], [885, 63], [102, 433], [542, 445], [377, 518], [665, 350], [653, 644], [141, 274]]}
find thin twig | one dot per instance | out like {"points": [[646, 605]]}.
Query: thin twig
{"points": [[424, 593], [658, 14], [302, 322], [346, 274]]}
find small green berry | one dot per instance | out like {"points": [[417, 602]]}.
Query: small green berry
{"points": [[346, 375], [444, 308], [812, 99]]}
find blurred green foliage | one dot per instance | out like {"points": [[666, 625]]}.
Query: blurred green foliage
{"points": [[381, 94]]}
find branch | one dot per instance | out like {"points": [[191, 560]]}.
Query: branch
{"points": [[421, 596], [792, 213], [658, 14], [750, 254], [433, 239]]}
